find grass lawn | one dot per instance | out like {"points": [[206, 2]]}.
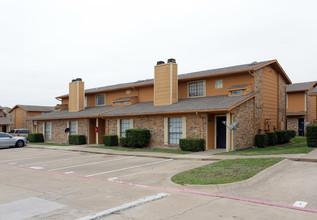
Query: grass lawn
{"points": [[225, 171], [297, 146], [51, 144], [142, 149]]}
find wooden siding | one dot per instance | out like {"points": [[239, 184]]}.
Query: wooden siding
{"points": [[270, 99], [228, 81], [211, 132], [296, 102], [313, 109], [18, 118], [76, 96], [165, 92]]}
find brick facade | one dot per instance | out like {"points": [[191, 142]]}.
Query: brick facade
{"points": [[258, 87], [245, 131], [282, 102]]}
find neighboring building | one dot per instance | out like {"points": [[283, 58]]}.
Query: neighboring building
{"points": [[173, 106], [301, 107], [21, 114], [5, 122]]}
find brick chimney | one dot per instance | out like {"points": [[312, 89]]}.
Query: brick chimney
{"points": [[165, 83], [76, 95]]}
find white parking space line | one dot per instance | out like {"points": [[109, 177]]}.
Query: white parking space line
{"points": [[69, 172], [87, 164], [26, 158], [124, 206], [99, 155], [300, 204], [37, 168], [127, 168]]}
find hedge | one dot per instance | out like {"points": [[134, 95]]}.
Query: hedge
{"points": [[271, 138], [35, 137], [77, 139], [311, 133], [261, 140], [122, 142], [280, 137], [110, 140], [192, 144], [293, 133], [137, 137]]}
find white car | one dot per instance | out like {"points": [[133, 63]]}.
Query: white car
{"points": [[7, 140]]}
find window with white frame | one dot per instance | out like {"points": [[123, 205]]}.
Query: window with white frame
{"points": [[124, 125], [174, 130], [73, 127], [47, 130], [236, 92], [100, 99], [219, 84], [85, 102], [196, 89]]}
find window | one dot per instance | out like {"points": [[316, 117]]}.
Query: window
{"points": [[47, 130], [85, 102], [196, 89], [174, 130], [100, 99], [73, 127], [219, 84], [124, 125], [236, 92], [126, 102], [116, 103]]}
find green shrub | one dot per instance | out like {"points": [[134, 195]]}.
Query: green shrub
{"points": [[77, 139], [280, 137], [137, 137], [271, 138], [110, 140], [261, 140], [122, 142], [311, 133], [192, 144], [293, 133], [35, 137]]}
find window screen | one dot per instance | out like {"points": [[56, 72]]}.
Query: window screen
{"points": [[73, 127], [48, 130], [174, 130], [100, 99], [196, 89], [124, 125]]}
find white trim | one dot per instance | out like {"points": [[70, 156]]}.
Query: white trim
{"points": [[165, 130], [131, 123], [184, 129], [228, 133], [118, 128], [171, 83]]}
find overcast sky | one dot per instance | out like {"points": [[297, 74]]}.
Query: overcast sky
{"points": [[45, 44]]}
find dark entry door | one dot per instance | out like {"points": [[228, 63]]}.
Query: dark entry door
{"points": [[301, 127], [221, 132], [4, 129]]}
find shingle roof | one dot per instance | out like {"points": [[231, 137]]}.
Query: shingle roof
{"points": [[183, 105], [295, 113], [314, 91], [35, 108], [5, 121], [88, 112], [237, 68], [297, 87]]}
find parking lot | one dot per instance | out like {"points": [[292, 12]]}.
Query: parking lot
{"points": [[57, 184]]}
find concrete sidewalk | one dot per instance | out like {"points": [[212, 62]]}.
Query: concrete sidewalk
{"points": [[203, 155]]}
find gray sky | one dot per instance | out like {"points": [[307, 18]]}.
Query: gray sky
{"points": [[45, 44]]}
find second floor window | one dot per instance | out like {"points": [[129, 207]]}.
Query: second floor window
{"points": [[100, 99], [219, 84], [196, 89], [236, 92]]}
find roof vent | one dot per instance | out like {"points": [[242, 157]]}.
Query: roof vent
{"points": [[254, 63], [171, 60], [160, 63], [79, 79]]}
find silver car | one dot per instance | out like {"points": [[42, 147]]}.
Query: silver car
{"points": [[7, 140]]}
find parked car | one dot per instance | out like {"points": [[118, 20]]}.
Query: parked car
{"points": [[7, 140], [20, 132]]}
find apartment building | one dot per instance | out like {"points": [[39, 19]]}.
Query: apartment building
{"points": [[21, 114], [301, 106], [174, 106], [5, 120]]}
